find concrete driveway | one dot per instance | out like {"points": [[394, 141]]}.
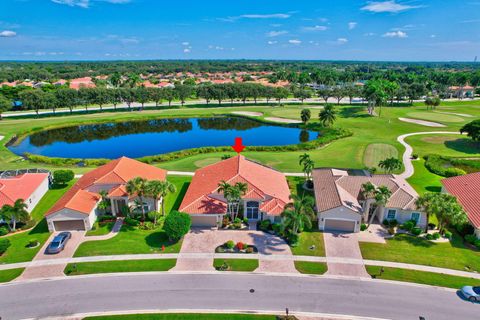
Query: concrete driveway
{"points": [[34, 272], [204, 242], [345, 246]]}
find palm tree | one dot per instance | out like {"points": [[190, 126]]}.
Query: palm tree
{"points": [[328, 115], [444, 206], [233, 195], [305, 115], [137, 186], [298, 214], [159, 190], [368, 193], [104, 203], [133, 79], [226, 189], [382, 195], [390, 164], [16, 213]]}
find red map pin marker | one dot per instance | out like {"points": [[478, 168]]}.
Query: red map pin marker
{"points": [[238, 146]]}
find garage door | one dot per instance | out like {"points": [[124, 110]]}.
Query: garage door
{"points": [[69, 225], [204, 221], [339, 225]]}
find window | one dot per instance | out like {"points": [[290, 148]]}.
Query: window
{"points": [[252, 210], [391, 214], [415, 216]]}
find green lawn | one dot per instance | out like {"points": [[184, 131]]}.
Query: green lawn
{"points": [[435, 116], [306, 241], [73, 269], [377, 152], [100, 229], [444, 144], [430, 278], [244, 265], [18, 251], [129, 241], [415, 250], [311, 267], [423, 180], [10, 274], [185, 316]]}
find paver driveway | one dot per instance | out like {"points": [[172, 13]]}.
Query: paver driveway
{"points": [[34, 272], [345, 246], [204, 242]]}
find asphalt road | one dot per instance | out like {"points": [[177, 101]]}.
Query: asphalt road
{"points": [[69, 296]]}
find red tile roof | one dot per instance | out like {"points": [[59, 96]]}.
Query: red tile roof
{"points": [[20, 187], [467, 190], [264, 183], [112, 176]]}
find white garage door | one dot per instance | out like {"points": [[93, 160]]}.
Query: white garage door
{"points": [[204, 221], [68, 225], [339, 225]]}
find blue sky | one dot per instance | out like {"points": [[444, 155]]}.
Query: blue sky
{"points": [[410, 30]]}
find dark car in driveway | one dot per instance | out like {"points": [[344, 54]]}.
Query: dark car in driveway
{"points": [[58, 243]]}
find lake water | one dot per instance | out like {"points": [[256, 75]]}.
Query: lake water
{"points": [[142, 138]]}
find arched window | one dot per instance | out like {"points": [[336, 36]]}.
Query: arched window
{"points": [[252, 210]]}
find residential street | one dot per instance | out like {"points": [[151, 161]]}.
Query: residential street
{"points": [[79, 295]]}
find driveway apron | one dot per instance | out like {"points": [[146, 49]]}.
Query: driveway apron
{"points": [[344, 246]]}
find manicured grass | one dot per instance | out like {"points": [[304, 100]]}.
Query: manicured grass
{"points": [[311, 267], [435, 116], [415, 250], [245, 265], [422, 277], [173, 201], [377, 152], [100, 229], [73, 269], [18, 251], [308, 239], [185, 316], [449, 145], [423, 180], [129, 241], [10, 274]]}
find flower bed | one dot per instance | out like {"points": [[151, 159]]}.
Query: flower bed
{"points": [[239, 247]]}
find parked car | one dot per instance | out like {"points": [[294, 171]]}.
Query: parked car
{"points": [[58, 243], [471, 293]]}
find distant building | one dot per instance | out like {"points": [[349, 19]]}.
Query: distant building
{"points": [[85, 82], [30, 187], [461, 92]]}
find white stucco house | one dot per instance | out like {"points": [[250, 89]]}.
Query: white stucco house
{"points": [[30, 187], [78, 208], [340, 205]]}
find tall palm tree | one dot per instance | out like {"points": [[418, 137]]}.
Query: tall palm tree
{"points": [[305, 115], [368, 192], [298, 214], [225, 188], [328, 115], [159, 190], [138, 186], [382, 195], [233, 194], [16, 213], [303, 160], [104, 203], [390, 164]]}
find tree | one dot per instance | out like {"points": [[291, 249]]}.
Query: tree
{"points": [[16, 213], [61, 177], [100, 96], [325, 94], [472, 130], [368, 193], [327, 116], [307, 164], [390, 164], [169, 95], [375, 91], [142, 95], [115, 79], [138, 186], [183, 92], [432, 102], [280, 93], [339, 93], [233, 195], [381, 196], [302, 94], [32, 99], [66, 98], [156, 95], [104, 203], [115, 97], [128, 96], [444, 206], [5, 105], [177, 224], [159, 190], [305, 114], [133, 80], [298, 215]]}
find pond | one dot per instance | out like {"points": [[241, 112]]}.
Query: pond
{"points": [[143, 138]]}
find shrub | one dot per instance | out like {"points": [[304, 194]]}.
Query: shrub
{"points": [[416, 231], [230, 244], [436, 236], [265, 225], [237, 220], [277, 227], [147, 225], [470, 238], [477, 243], [105, 217], [453, 172], [177, 224], [363, 227], [408, 226], [131, 222], [415, 156], [63, 176], [293, 239], [240, 245], [464, 229], [249, 250], [4, 244], [448, 235], [429, 236], [4, 231], [438, 165], [153, 214], [245, 220], [32, 243]]}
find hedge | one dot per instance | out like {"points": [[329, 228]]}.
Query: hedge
{"points": [[436, 164]]}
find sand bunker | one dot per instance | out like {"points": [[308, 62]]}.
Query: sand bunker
{"points": [[248, 113], [422, 122], [283, 120], [456, 114]]}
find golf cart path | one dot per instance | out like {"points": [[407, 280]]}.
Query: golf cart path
{"points": [[423, 122], [407, 155]]}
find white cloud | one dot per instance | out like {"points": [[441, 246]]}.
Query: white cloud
{"points": [[395, 34], [387, 6], [86, 3], [7, 34], [272, 42], [295, 41], [276, 33], [352, 25], [186, 50], [342, 40], [315, 28], [185, 43]]}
